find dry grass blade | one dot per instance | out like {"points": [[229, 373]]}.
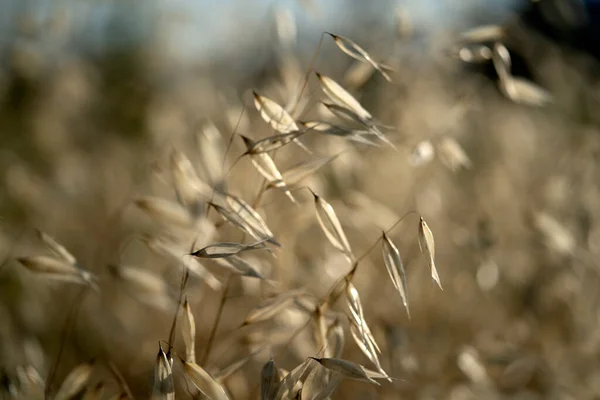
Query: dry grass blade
{"points": [[190, 190], [265, 165], [55, 269], [188, 331], [351, 370], [56, 247], [269, 381], [355, 51], [75, 381], [427, 246], [204, 382], [271, 307], [331, 226], [163, 388], [395, 269], [340, 96], [251, 219], [227, 249]]}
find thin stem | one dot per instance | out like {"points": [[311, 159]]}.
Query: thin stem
{"points": [[215, 327], [310, 69], [184, 279], [70, 322], [119, 377]]}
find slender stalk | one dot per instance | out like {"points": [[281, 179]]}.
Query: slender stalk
{"points": [[69, 324], [215, 327], [119, 377]]}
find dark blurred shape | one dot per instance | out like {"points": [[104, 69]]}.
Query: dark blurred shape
{"points": [[575, 23]]}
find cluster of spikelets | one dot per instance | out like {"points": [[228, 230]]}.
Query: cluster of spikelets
{"points": [[215, 263]]}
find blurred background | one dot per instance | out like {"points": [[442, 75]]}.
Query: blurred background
{"points": [[95, 96]]}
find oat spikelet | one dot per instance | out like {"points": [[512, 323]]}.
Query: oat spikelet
{"points": [[427, 246], [204, 382], [75, 381], [355, 51], [336, 338], [163, 388], [348, 115], [239, 266], [252, 221], [226, 249], [265, 165], [276, 116], [331, 226], [55, 269], [269, 380], [351, 370], [56, 247], [340, 96], [364, 343], [188, 331], [395, 269], [286, 389]]}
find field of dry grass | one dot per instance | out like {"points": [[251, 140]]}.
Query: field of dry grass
{"points": [[91, 146]]}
